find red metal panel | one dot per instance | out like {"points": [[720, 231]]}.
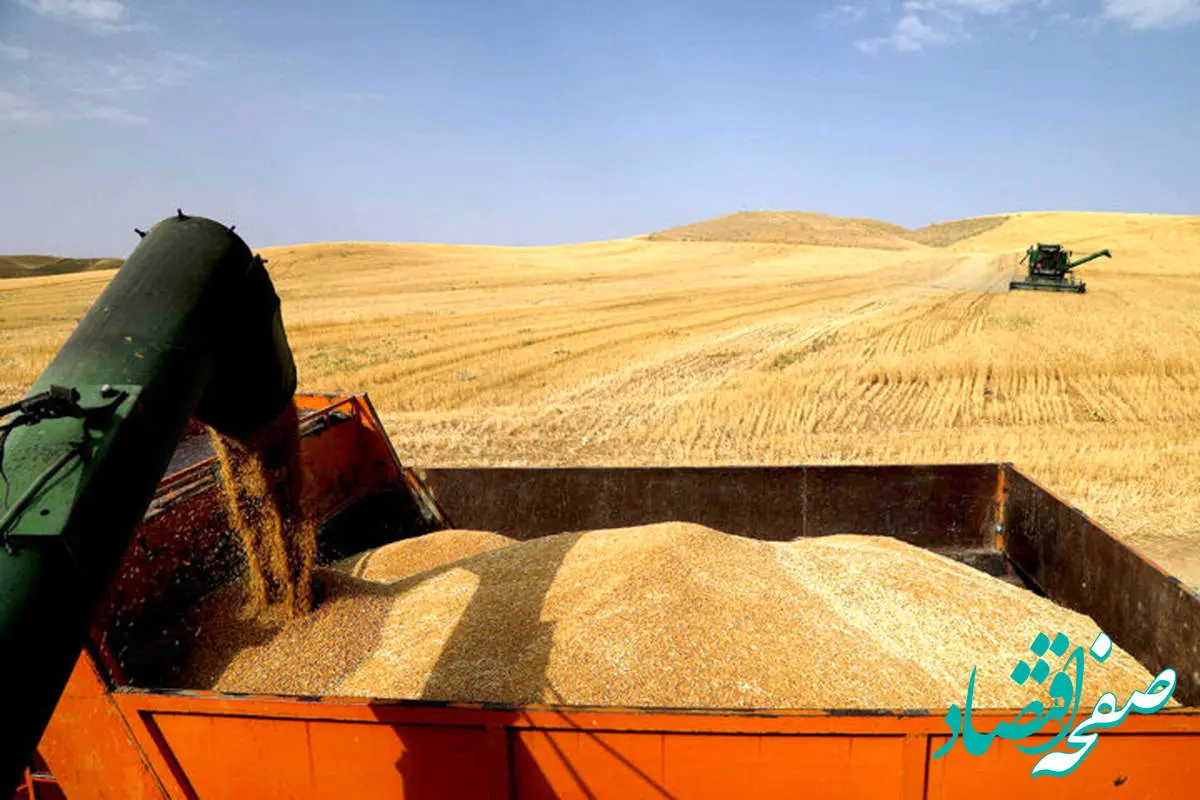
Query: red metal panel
{"points": [[348, 461], [88, 747], [586, 764], [617, 753], [133, 703], [1125, 766], [267, 758]]}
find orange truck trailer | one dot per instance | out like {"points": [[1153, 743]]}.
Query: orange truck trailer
{"points": [[116, 732]]}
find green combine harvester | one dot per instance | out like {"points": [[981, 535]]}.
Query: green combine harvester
{"points": [[1050, 269]]}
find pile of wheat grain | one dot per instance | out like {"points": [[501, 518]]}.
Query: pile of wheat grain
{"points": [[674, 615], [410, 556]]}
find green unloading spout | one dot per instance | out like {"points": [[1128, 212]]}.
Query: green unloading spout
{"points": [[189, 326], [1092, 257]]}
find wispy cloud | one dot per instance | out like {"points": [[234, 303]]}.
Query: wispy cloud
{"points": [[916, 25], [981, 6], [116, 81], [101, 90], [1153, 14], [128, 74], [110, 114], [910, 35], [20, 109], [102, 16], [12, 52], [26, 109], [848, 13], [928, 23]]}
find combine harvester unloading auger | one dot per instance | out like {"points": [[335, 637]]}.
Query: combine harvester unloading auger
{"points": [[1050, 269], [189, 327], [114, 527]]}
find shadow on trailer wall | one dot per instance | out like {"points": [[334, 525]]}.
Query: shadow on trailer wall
{"points": [[117, 729]]}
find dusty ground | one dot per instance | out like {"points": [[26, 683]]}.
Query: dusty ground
{"points": [[645, 351]]}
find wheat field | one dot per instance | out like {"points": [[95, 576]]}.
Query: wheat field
{"points": [[686, 349]]}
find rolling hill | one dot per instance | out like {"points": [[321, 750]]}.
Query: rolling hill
{"points": [[759, 339], [821, 230], [40, 266]]}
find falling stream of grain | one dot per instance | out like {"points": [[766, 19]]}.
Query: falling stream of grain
{"points": [[263, 482]]}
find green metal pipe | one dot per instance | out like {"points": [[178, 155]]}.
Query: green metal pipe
{"points": [[189, 326], [1092, 257]]}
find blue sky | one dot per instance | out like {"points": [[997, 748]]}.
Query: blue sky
{"points": [[542, 121]]}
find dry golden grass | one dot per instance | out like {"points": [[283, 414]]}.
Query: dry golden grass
{"points": [[792, 227], [947, 233], [667, 352], [808, 228]]}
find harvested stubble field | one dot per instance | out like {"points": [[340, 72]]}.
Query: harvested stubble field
{"points": [[863, 343]]}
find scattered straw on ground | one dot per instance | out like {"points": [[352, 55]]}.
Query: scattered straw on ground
{"points": [[668, 615]]}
